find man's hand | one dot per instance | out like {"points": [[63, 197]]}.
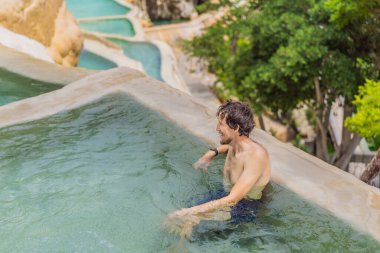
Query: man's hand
{"points": [[204, 161], [181, 222]]}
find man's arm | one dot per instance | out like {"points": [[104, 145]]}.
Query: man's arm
{"points": [[254, 167], [183, 220], [206, 159]]}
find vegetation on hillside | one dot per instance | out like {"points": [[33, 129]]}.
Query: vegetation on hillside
{"points": [[366, 122], [279, 56]]}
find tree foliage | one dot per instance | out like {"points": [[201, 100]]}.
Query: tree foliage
{"points": [[360, 20], [366, 121], [279, 55], [266, 49]]}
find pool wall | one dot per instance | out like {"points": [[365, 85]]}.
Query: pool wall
{"points": [[109, 51], [25, 65], [138, 31], [169, 68], [314, 180]]}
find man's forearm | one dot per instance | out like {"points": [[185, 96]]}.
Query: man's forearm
{"points": [[215, 151], [222, 149], [212, 205]]}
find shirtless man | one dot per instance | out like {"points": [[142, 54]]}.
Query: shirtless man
{"points": [[246, 170]]}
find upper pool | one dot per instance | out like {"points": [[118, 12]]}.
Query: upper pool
{"points": [[102, 178], [93, 61], [146, 53], [14, 87], [95, 8], [109, 26]]}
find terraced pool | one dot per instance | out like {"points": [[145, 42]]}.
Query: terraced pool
{"points": [[93, 61], [109, 26], [98, 8], [146, 53]]}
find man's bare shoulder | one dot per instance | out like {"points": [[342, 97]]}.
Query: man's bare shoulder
{"points": [[257, 150], [257, 154]]}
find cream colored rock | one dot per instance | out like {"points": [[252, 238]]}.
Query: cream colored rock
{"points": [[48, 22]]}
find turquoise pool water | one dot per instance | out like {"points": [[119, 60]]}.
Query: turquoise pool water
{"points": [[92, 61], [95, 8], [111, 26], [103, 177], [146, 53], [14, 87]]}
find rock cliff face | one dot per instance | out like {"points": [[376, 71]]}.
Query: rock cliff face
{"points": [[167, 9], [46, 21]]}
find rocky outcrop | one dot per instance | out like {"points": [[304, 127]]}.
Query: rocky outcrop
{"points": [[48, 22], [167, 9]]}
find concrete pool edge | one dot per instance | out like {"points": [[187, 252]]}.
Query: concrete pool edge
{"points": [[28, 66], [169, 70], [97, 46], [312, 179]]}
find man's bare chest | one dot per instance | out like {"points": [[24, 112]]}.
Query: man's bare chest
{"points": [[233, 168]]}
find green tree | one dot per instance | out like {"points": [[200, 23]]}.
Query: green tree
{"points": [[366, 121], [278, 56], [360, 21]]}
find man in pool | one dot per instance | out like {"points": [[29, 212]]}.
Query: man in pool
{"points": [[246, 171]]}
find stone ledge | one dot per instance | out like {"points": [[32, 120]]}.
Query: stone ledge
{"points": [[102, 48], [28, 66]]}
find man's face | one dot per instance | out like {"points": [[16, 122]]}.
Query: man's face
{"points": [[225, 132]]}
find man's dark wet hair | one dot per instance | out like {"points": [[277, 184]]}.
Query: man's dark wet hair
{"points": [[237, 114]]}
